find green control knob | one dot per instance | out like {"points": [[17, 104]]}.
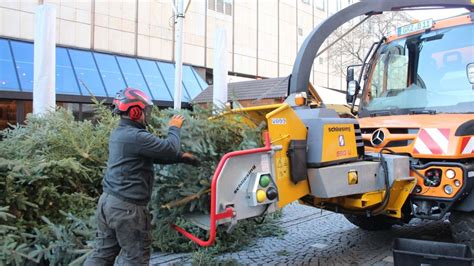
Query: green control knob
{"points": [[272, 193], [264, 180]]}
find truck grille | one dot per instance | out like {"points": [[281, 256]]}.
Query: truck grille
{"points": [[359, 140], [401, 136]]}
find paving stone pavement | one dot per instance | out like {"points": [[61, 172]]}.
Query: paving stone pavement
{"points": [[322, 238]]}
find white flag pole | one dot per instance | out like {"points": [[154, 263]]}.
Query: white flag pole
{"points": [[44, 73], [219, 97]]}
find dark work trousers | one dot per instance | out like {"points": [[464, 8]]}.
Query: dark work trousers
{"points": [[122, 227]]}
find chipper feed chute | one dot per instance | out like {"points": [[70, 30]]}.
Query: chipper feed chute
{"points": [[234, 198], [255, 182]]}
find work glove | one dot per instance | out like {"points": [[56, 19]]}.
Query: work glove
{"points": [[189, 158], [176, 121]]}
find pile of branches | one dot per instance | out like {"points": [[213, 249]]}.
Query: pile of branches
{"points": [[51, 170]]}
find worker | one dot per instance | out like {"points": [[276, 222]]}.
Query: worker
{"points": [[124, 221]]}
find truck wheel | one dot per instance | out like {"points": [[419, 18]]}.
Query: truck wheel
{"points": [[462, 227], [373, 223]]}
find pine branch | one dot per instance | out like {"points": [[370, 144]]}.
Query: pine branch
{"points": [[185, 200]]}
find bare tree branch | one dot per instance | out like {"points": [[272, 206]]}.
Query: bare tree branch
{"points": [[352, 48]]}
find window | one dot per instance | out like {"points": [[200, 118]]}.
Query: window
{"points": [[110, 72], [155, 81], [7, 113], [65, 80], [168, 73], [23, 53], [8, 79], [192, 85], [211, 4], [133, 75], [305, 2], [88, 111], [200, 80], [300, 31], [221, 6], [320, 4], [228, 8], [321, 60], [74, 108], [86, 72], [81, 72]]}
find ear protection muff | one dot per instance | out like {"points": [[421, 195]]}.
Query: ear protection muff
{"points": [[135, 113]]}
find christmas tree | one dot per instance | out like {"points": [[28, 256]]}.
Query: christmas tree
{"points": [[51, 170]]}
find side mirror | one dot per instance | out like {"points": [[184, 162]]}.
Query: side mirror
{"points": [[349, 74], [470, 72], [352, 88]]}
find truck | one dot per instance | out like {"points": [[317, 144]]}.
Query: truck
{"points": [[409, 153], [418, 100]]}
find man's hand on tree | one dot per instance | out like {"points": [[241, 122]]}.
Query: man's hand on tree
{"points": [[176, 121], [189, 158]]}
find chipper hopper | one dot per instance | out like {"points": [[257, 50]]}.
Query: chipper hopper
{"points": [[307, 152]]}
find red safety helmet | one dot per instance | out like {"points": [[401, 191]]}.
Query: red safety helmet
{"points": [[133, 101]]}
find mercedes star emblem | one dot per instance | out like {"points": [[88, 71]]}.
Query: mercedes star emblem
{"points": [[377, 137]]}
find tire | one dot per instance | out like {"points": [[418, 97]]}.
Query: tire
{"points": [[462, 227], [373, 223]]}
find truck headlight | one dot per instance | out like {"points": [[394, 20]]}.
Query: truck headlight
{"points": [[450, 173], [448, 189], [457, 183]]}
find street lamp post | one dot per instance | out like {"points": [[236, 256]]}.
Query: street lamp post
{"points": [[178, 74]]}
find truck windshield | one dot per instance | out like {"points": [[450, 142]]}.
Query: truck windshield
{"points": [[425, 73]]}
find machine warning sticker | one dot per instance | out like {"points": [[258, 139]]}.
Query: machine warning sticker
{"points": [[279, 121]]}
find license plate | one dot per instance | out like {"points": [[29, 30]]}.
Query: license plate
{"points": [[422, 25]]}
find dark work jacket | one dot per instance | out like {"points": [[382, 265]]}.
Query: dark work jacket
{"points": [[132, 152]]}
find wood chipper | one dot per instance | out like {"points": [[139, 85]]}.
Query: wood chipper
{"points": [[409, 154]]}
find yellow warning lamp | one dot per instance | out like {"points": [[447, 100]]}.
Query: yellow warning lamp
{"points": [[352, 177], [300, 99], [261, 196]]}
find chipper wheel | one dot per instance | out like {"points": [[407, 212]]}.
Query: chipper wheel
{"points": [[373, 223], [462, 227]]}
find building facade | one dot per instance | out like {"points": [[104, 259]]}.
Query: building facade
{"points": [[263, 38]]}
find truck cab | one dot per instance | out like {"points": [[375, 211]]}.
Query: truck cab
{"points": [[418, 100]]}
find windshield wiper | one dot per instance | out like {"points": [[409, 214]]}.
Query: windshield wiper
{"points": [[420, 112]]}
